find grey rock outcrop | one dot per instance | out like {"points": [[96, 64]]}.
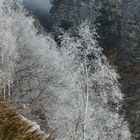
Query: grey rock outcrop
{"points": [[130, 61], [105, 14], [118, 24]]}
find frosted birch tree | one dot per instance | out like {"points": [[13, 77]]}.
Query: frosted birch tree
{"points": [[29, 59], [8, 52], [88, 105]]}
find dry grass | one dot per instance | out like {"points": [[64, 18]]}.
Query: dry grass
{"points": [[13, 127]]}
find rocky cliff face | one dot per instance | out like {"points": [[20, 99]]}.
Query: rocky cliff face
{"points": [[130, 60], [118, 24], [104, 13]]}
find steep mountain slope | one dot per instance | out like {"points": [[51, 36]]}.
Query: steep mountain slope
{"points": [[118, 24]]}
